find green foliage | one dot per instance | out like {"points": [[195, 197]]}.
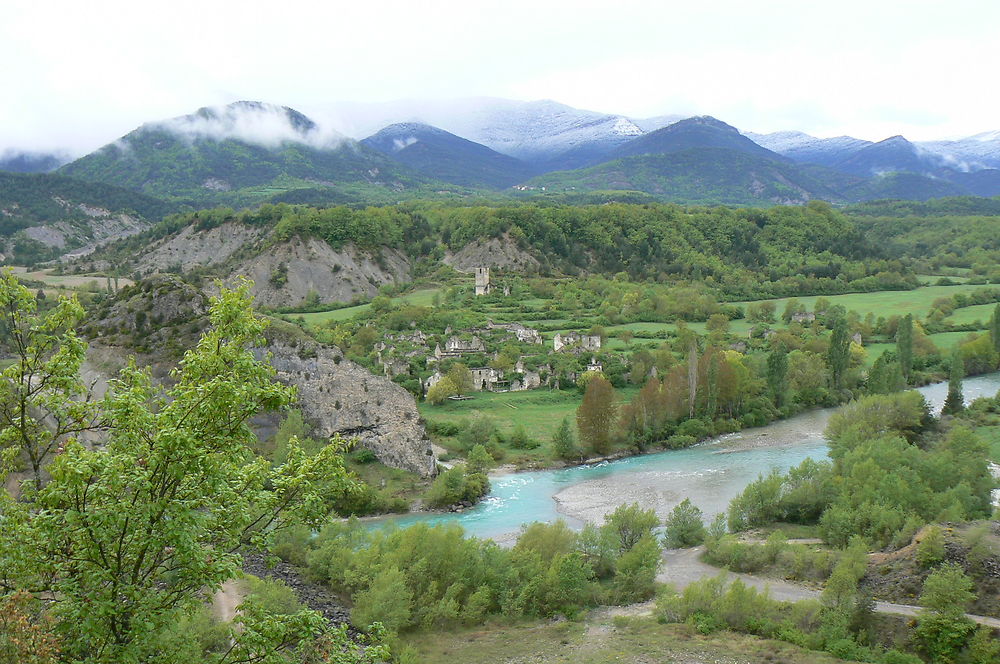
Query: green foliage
{"points": [[630, 523], [955, 401], [799, 496], [174, 493], [942, 628], [564, 443], [684, 526], [635, 571], [597, 414], [930, 549], [904, 345], [457, 485], [433, 576]]}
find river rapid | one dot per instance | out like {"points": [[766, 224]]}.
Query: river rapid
{"points": [[710, 474]]}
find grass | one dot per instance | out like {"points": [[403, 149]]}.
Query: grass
{"points": [[599, 639], [420, 298], [884, 303], [978, 313], [540, 412]]}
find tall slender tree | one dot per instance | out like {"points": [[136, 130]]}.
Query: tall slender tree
{"points": [[777, 372], [995, 328], [955, 401], [597, 414], [904, 345], [839, 354]]}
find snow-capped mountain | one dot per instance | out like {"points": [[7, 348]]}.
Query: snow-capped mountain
{"points": [[447, 157], [969, 154], [538, 132], [802, 147]]}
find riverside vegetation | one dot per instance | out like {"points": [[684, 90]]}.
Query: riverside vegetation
{"points": [[920, 471]]}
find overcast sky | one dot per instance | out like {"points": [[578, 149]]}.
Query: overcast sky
{"points": [[80, 74]]}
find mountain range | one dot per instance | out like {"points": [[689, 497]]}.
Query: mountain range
{"points": [[250, 152]]}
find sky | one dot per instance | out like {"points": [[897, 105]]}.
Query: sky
{"points": [[77, 75]]}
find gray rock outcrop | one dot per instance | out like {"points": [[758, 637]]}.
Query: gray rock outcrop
{"points": [[497, 252], [285, 274], [340, 397]]}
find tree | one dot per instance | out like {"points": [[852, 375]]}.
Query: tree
{"points": [[461, 378], [630, 523], [995, 328], [441, 390], [563, 443], [942, 627], [777, 371], [904, 345], [839, 354], [43, 402], [129, 539], [596, 416], [479, 460], [955, 401], [885, 376], [684, 526]]}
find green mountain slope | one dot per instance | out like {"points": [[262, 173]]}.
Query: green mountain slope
{"points": [[241, 153], [42, 214], [699, 175]]}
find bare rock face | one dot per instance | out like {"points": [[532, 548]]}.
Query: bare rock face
{"points": [[284, 274], [340, 397], [193, 247], [497, 252]]}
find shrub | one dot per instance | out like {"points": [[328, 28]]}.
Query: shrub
{"points": [[684, 526]]}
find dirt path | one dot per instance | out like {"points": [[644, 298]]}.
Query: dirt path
{"points": [[682, 567], [225, 601]]}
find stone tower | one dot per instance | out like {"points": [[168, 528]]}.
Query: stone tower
{"points": [[483, 281]]}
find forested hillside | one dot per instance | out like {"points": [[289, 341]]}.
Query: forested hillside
{"points": [[742, 253]]}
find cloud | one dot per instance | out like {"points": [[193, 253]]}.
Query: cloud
{"points": [[259, 123]]}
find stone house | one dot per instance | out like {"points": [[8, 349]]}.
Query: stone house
{"points": [[576, 342]]}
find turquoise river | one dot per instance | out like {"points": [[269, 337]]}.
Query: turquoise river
{"points": [[710, 474]]}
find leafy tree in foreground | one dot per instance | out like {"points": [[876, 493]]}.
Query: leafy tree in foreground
{"points": [[42, 399], [130, 539]]}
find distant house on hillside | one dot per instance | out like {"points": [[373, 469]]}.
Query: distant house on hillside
{"points": [[457, 346], [523, 333], [575, 342]]}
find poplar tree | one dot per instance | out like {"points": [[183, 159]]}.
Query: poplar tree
{"points": [[995, 328], [597, 414], [955, 401], [563, 443], [904, 345], [839, 354], [777, 372]]}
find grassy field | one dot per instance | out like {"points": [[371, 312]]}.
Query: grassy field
{"points": [[540, 412], [885, 303], [599, 639], [61, 283], [979, 312], [421, 298]]}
